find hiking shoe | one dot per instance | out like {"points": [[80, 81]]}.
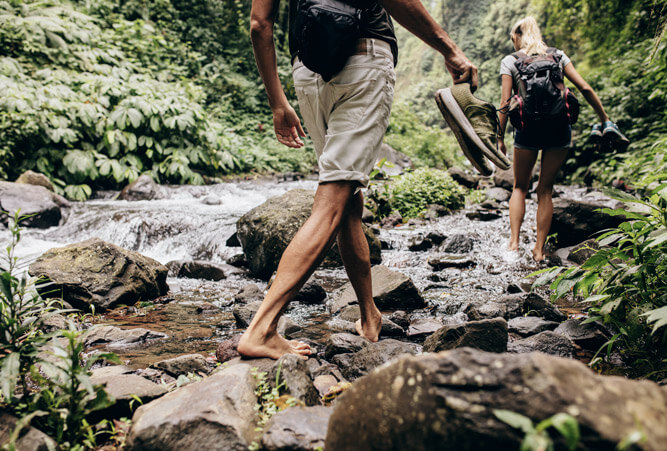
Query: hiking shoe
{"points": [[473, 118], [596, 133], [612, 136]]}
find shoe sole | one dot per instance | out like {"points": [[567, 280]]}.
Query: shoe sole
{"points": [[472, 153], [612, 139], [454, 110]]}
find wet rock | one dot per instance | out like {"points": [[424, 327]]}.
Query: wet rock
{"points": [[401, 318], [392, 220], [227, 349], [463, 178], [248, 294], [311, 293], [323, 383], [507, 307], [536, 305], [343, 343], [100, 274], [589, 336], [211, 199], [233, 241], [583, 251], [436, 237], [547, 342], [54, 322], [154, 375], [184, 364], [451, 261], [513, 288], [421, 328], [238, 261], [367, 216], [490, 205], [295, 373], [297, 429], [484, 215], [198, 269], [341, 325], [390, 328], [116, 337], [420, 244], [433, 211], [202, 415], [576, 221], [396, 158], [446, 401], [487, 335], [35, 178], [31, 439], [392, 290], [530, 325], [207, 308], [143, 188], [42, 205], [364, 361], [504, 179], [349, 315], [124, 388], [498, 194], [244, 314], [459, 244], [265, 232]]}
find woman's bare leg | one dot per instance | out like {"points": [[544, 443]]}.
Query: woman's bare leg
{"points": [[552, 160], [523, 163]]}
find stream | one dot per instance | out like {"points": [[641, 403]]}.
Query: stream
{"points": [[194, 222]]}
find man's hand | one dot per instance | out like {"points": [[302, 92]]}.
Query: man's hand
{"points": [[461, 69], [288, 127]]}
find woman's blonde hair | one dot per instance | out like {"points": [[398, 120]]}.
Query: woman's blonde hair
{"points": [[529, 35]]}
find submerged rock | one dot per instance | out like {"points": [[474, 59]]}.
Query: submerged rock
{"points": [[447, 401], [41, 205], [216, 411], [392, 290], [100, 274], [265, 232]]}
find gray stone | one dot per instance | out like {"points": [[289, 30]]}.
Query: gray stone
{"points": [[504, 179], [421, 328], [343, 343], [324, 382], [575, 221], [447, 401], [547, 342], [202, 415], [484, 215], [116, 337], [362, 362], [583, 251], [507, 307], [265, 232], [42, 205], [143, 188], [30, 439], [202, 270], [438, 263], [401, 318], [248, 294], [184, 364], [227, 349], [530, 325], [124, 388], [498, 194], [589, 336], [233, 241], [311, 293], [392, 290], [35, 178], [297, 429], [340, 325], [459, 244], [100, 274], [536, 305], [487, 335], [463, 178], [211, 199], [295, 373]]}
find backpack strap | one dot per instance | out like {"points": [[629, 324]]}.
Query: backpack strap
{"points": [[553, 51]]}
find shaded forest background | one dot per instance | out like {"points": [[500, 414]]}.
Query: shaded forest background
{"points": [[95, 93]]}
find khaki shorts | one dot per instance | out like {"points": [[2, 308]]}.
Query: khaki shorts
{"points": [[348, 116]]}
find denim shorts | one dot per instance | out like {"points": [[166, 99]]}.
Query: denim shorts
{"points": [[544, 136], [347, 117]]}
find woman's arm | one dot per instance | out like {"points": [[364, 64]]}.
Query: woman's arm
{"points": [[505, 95], [586, 90]]}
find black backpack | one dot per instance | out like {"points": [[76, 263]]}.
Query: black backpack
{"points": [[326, 32], [542, 94]]}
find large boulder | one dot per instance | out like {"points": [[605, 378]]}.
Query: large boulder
{"points": [[125, 388], [392, 290], [205, 415], [35, 178], [100, 274], [447, 401], [575, 221], [42, 205], [265, 232], [30, 439], [143, 188]]}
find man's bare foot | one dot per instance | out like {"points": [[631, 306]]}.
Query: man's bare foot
{"points": [[272, 346], [371, 328]]}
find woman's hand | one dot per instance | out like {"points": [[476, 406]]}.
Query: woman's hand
{"points": [[501, 145]]}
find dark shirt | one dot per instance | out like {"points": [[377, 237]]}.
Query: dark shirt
{"points": [[376, 24]]}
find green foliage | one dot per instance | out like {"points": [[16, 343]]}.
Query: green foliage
{"points": [[411, 193], [625, 282], [537, 437]]}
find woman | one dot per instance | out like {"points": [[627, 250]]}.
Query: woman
{"points": [[554, 139]]}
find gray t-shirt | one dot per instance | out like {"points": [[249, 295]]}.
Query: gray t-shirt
{"points": [[507, 67]]}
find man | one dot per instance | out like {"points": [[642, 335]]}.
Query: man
{"points": [[346, 118]]}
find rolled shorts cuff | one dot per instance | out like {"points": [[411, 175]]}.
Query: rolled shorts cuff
{"points": [[537, 149], [344, 176]]}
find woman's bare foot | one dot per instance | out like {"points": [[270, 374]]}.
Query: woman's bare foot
{"points": [[538, 256], [513, 246], [370, 329], [272, 346]]}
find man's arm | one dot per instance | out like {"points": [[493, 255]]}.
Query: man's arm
{"points": [[285, 120], [413, 16]]}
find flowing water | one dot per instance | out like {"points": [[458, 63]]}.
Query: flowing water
{"points": [[194, 222]]}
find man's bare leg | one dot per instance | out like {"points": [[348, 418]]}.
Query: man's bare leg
{"points": [[353, 248], [303, 254]]}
